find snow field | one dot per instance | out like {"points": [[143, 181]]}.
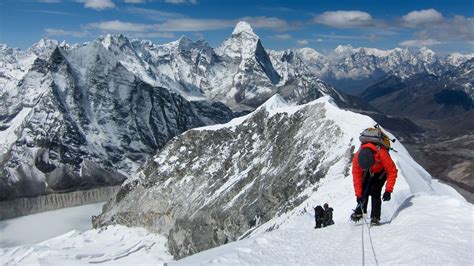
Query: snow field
{"points": [[109, 245], [429, 229]]}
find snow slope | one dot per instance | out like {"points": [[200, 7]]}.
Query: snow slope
{"points": [[425, 222], [430, 229], [111, 245]]}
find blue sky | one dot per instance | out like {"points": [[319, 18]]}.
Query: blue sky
{"points": [[444, 26]]}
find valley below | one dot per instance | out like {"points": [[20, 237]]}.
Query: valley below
{"points": [[446, 151]]}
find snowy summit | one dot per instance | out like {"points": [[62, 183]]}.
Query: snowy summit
{"points": [[243, 27]]}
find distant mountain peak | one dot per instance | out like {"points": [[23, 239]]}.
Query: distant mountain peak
{"points": [[43, 47], [243, 27], [310, 52], [118, 39], [343, 48], [242, 43]]}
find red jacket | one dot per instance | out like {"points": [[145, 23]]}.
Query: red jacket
{"points": [[382, 161]]}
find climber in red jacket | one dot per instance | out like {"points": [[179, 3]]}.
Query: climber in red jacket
{"points": [[371, 167]]}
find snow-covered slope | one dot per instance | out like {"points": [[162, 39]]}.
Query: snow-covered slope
{"points": [[109, 246], [428, 230], [214, 185], [284, 160]]}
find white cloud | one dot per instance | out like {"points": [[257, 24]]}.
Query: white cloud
{"points": [[420, 43], [49, 12], [345, 19], [272, 23], [98, 4], [458, 28], [61, 32], [338, 37], [421, 17], [177, 2], [188, 24], [135, 1], [132, 30], [302, 42], [50, 1], [117, 25], [153, 14], [285, 36]]}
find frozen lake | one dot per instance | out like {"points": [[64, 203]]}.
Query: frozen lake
{"points": [[38, 227]]}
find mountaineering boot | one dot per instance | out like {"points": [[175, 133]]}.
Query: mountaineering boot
{"points": [[357, 215], [375, 221]]}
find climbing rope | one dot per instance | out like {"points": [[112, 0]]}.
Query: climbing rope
{"points": [[370, 238], [364, 217], [363, 249]]}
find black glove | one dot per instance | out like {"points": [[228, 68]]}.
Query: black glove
{"points": [[360, 200], [386, 196]]}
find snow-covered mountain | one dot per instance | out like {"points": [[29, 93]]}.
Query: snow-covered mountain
{"points": [[239, 73], [63, 107], [222, 183], [85, 115], [79, 118], [14, 64], [352, 69], [456, 59]]}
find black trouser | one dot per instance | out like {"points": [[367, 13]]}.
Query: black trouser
{"points": [[374, 191], [318, 221]]}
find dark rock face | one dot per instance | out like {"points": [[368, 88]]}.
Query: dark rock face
{"points": [[211, 186], [264, 61], [89, 125]]}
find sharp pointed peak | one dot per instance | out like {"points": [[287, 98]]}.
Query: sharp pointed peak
{"points": [[45, 42], [184, 38], [110, 37], [243, 27], [113, 39]]}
